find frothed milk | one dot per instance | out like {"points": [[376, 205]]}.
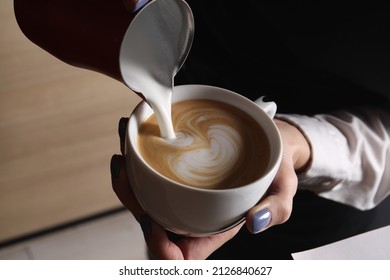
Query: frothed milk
{"points": [[217, 146]]}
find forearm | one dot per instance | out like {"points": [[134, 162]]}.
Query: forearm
{"points": [[350, 156]]}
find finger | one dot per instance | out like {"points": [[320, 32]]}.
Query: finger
{"points": [[276, 207], [194, 248], [122, 129], [159, 245], [155, 236], [121, 186], [134, 5], [189, 248]]}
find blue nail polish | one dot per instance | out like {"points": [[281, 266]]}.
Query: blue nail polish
{"points": [[115, 166], [140, 4], [260, 220], [122, 126]]}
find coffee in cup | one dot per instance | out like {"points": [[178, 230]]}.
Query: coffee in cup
{"points": [[217, 145], [235, 132]]}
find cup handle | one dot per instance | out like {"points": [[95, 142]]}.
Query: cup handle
{"points": [[268, 107]]}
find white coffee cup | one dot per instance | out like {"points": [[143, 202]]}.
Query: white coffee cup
{"points": [[195, 211]]}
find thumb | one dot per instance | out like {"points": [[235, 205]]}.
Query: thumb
{"points": [[276, 207]]}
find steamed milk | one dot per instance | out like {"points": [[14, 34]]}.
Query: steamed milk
{"points": [[215, 146], [159, 99]]}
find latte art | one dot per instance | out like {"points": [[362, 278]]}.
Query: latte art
{"points": [[216, 146], [203, 163]]}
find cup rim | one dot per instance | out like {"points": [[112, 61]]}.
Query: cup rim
{"points": [[269, 170]]}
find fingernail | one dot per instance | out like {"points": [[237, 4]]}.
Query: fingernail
{"points": [[260, 220], [146, 225], [122, 126], [140, 4], [115, 166]]}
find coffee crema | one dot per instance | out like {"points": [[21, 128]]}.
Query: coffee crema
{"points": [[217, 146]]}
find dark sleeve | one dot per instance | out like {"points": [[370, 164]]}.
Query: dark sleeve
{"points": [[85, 34]]}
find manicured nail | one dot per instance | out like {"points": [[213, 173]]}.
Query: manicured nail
{"points": [[122, 126], [260, 220], [140, 4], [146, 225], [115, 166]]}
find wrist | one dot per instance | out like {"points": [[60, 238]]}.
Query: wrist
{"points": [[295, 145]]}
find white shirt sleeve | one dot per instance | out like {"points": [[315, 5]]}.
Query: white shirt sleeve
{"points": [[350, 156]]}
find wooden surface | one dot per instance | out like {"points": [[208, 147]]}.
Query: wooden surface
{"points": [[58, 131]]}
